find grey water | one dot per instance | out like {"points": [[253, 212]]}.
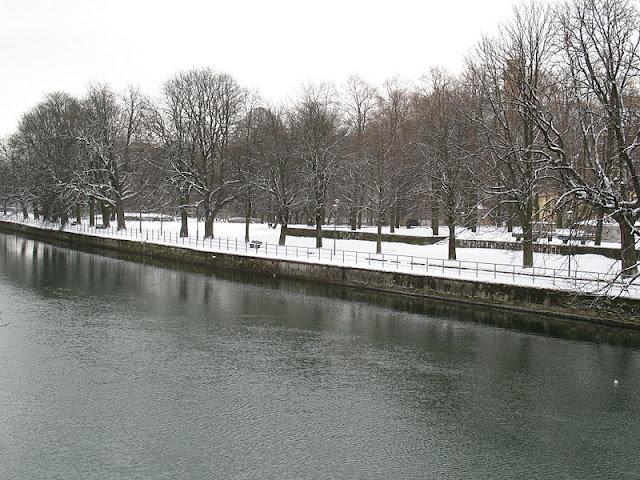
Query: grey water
{"points": [[116, 369]]}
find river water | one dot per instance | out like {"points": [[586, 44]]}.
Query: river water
{"points": [[111, 368]]}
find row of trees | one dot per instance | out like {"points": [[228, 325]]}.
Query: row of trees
{"points": [[547, 109]]}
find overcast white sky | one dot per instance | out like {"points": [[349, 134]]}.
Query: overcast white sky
{"points": [[272, 45]]}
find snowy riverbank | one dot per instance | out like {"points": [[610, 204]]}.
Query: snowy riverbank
{"points": [[580, 273], [263, 233]]}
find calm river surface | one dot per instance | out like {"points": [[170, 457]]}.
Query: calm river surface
{"points": [[111, 368]]}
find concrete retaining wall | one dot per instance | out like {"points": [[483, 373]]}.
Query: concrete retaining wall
{"points": [[620, 313]]}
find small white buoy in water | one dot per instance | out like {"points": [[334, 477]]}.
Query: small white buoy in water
{"points": [[615, 383]]}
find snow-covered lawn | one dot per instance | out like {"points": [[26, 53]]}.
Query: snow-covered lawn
{"points": [[262, 232]]}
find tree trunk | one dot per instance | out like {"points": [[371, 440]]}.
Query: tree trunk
{"points": [[247, 220], [36, 211], [397, 218], [209, 216], [599, 222], [451, 223], [25, 212], [184, 222], [527, 236], [353, 218], [392, 221], [92, 213], [452, 238], [283, 234], [628, 253], [78, 214], [359, 218], [283, 216], [509, 218], [319, 217], [46, 211], [121, 224], [184, 214], [379, 234], [106, 216], [559, 219], [64, 217], [473, 219], [435, 219]]}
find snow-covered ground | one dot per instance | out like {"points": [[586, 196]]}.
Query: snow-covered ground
{"points": [[592, 273], [262, 232]]}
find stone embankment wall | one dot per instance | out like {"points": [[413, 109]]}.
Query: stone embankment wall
{"points": [[619, 313], [559, 249], [368, 236]]}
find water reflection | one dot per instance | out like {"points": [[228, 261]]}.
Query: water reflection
{"points": [[118, 369]]}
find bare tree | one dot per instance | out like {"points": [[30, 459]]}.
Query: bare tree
{"points": [[205, 108], [595, 153], [110, 127], [278, 168], [6, 176], [44, 157], [395, 113], [379, 175], [171, 129], [360, 102], [319, 136], [445, 136], [245, 145], [506, 71], [384, 161]]}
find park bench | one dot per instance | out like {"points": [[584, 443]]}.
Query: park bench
{"points": [[382, 260], [255, 244], [580, 236], [535, 237]]}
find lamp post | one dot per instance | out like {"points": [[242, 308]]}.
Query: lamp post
{"points": [[335, 206], [479, 218], [570, 215]]}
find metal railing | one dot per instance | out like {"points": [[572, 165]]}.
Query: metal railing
{"points": [[560, 278]]}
